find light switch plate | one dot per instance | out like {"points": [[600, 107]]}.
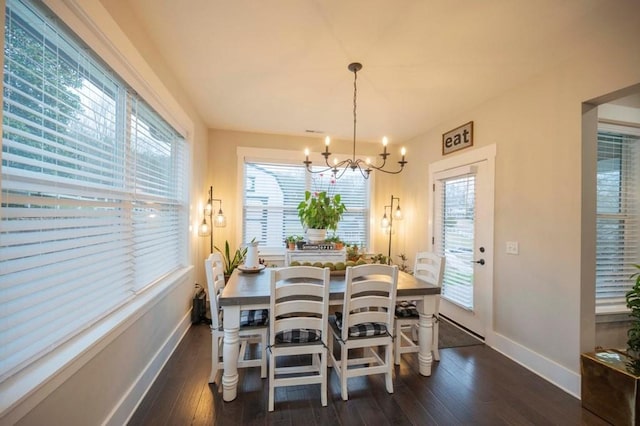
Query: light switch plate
{"points": [[512, 247]]}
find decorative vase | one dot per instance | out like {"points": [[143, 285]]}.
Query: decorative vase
{"points": [[251, 259], [316, 235]]}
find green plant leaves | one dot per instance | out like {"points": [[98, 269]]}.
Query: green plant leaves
{"points": [[321, 211]]}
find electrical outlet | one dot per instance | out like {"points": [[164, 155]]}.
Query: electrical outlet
{"points": [[512, 247]]}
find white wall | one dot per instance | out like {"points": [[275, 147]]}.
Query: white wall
{"points": [[538, 196]]}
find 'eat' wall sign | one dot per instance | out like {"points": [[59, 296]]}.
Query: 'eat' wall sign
{"points": [[458, 138]]}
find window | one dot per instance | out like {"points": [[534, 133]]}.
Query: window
{"points": [[618, 234], [273, 190], [93, 194], [455, 219]]}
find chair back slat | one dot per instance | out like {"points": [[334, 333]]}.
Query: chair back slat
{"points": [[429, 267], [298, 322], [309, 307]]}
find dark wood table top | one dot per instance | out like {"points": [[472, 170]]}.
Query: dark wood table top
{"points": [[254, 288]]}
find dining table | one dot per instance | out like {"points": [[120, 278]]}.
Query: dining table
{"points": [[252, 290]]}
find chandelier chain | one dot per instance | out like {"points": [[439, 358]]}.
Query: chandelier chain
{"points": [[355, 97]]}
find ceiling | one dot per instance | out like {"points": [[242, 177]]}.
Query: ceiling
{"points": [[281, 66]]}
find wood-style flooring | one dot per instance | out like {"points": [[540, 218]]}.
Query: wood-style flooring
{"points": [[471, 385]]}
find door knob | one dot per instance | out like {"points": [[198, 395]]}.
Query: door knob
{"points": [[481, 261]]}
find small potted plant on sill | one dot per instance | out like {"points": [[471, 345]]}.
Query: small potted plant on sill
{"points": [[338, 244], [292, 240], [319, 212]]}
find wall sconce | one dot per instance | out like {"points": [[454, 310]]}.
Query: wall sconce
{"points": [[204, 230], [387, 222]]}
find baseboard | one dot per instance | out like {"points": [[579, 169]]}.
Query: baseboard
{"points": [[126, 407], [562, 377]]}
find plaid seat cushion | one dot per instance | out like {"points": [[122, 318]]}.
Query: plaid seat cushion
{"points": [[298, 335], [406, 309], [367, 329], [254, 318]]}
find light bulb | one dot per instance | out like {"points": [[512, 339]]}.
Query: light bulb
{"points": [[397, 214], [384, 223]]}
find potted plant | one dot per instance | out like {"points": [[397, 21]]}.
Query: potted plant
{"points": [[230, 261], [320, 211], [338, 244], [291, 241], [353, 254], [610, 377], [633, 302]]}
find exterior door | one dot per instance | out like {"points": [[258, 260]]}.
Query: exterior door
{"points": [[462, 231]]}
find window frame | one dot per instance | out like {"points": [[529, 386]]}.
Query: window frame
{"points": [[93, 27], [277, 156], [617, 305]]}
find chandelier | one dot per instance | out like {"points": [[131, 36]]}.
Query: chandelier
{"points": [[364, 166]]}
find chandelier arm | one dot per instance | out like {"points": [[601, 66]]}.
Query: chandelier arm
{"points": [[388, 171], [354, 163], [338, 175]]}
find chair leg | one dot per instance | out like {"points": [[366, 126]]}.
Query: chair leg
{"points": [[434, 346], [397, 343], [324, 373], [330, 349], [389, 374], [272, 368], [263, 354], [215, 342], [344, 352]]}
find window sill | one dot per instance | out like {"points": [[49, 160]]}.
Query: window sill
{"points": [[612, 313]]}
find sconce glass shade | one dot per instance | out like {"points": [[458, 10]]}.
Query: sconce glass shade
{"points": [[204, 230], [208, 209], [384, 223], [221, 220], [397, 214]]}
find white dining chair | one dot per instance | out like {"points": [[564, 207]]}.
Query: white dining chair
{"points": [[218, 263], [366, 322], [299, 307], [253, 326], [428, 267]]}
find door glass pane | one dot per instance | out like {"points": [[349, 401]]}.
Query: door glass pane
{"points": [[455, 225]]}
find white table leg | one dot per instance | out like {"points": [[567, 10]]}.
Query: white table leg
{"points": [[425, 333], [230, 351]]}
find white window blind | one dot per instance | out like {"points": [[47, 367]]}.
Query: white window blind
{"points": [[618, 233], [455, 222], [92, 190], [272, 192]]}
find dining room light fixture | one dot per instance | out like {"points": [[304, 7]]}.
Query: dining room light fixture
{"points": [[365, 166], [387, 221], [204, 230]]}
